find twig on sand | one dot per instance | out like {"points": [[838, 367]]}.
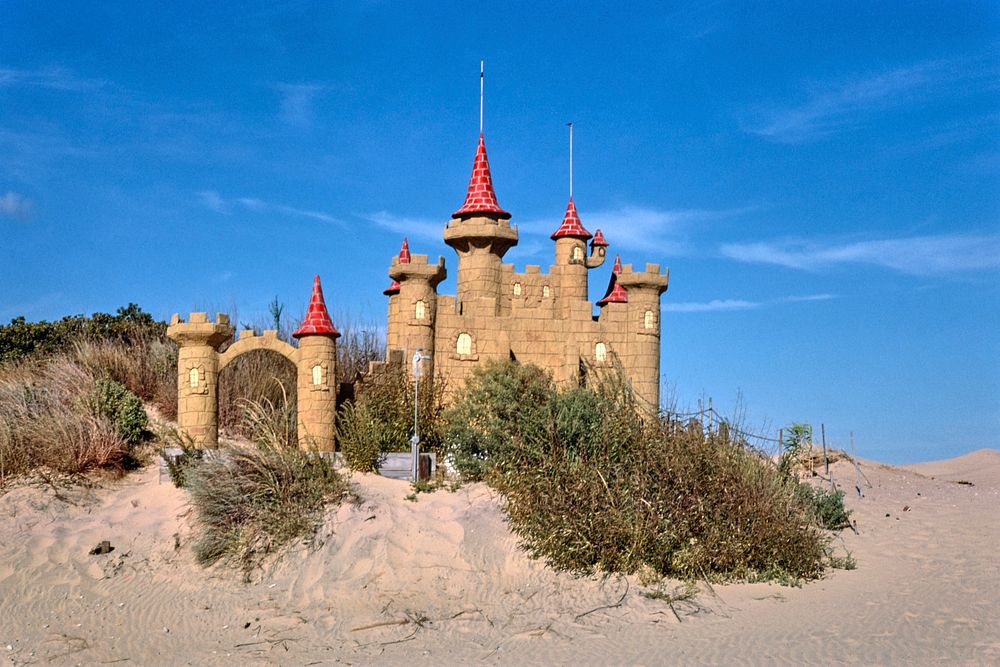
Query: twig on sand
{"points": [[402, 621], [605, 606]]}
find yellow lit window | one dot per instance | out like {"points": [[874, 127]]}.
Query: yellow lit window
{"points": [[464, 345], [420, 311], [601, 352]]}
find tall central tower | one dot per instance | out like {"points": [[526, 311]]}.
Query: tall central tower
{"points": [[480, 232]]}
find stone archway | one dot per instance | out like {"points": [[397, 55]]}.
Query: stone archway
{"points": [[199, 363]]}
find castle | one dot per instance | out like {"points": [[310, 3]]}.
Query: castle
{"points": [[532, 317]]}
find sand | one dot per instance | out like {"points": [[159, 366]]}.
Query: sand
{"points": [[442, 581]]}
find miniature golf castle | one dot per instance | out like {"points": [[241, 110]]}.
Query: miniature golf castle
{"points": [[532, 317]]}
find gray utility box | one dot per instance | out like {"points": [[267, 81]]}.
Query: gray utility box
{"points": [[399, 465]]}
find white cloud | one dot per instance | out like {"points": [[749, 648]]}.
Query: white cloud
{"points": [[919, 255], [834, 106], [296, 106], [212, 200], [425, 229], [717, 305], [55, 78], [15, 205]]}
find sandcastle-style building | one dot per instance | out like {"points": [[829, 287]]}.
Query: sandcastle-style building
{"points": [[532, 317]]}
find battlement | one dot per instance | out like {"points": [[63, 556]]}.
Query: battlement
{"points": [[198, 330], [418, 268], [651, 278]]}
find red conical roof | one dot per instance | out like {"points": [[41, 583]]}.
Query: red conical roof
{"points": [[317, 321], [571, 225], [393, 288], [616, 293], [404, 252], [480, 198], [599, 239]]}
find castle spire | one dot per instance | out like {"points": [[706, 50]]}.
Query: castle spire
{"points": [[480, 197], [616, 293], [571, 225], [393, 288], [317, 321], [404, 252]]}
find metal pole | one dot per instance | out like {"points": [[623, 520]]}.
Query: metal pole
{"points": [[415, 440]]}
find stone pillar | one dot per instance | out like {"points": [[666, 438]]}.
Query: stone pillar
{"points": [[198, 342], [317, 392], [642, 364]]}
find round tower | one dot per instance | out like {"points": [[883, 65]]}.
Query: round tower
{"points": [[571, 256], [415, 311], [317, 375], [480, 233], [198, 341], [642, 332]]}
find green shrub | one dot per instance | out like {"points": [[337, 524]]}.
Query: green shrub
{"points": [[590, 485], [380, 419], [827, 506], [503, 402], [121, 407], [21, 339]]}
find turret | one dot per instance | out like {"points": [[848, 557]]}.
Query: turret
{"points": [[392, 291], [643, 330], [317, 374], [198, 342], [480, 233], [413, 320]]}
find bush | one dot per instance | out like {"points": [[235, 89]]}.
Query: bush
{"points": [[380, 419], [253, 499], [258, 377], [589, 485], [121, 407], [827, 506], [503, 403], [21, 339], [46, 419]]}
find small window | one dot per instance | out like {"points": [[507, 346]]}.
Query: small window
{"points": [[193, 378], [420, 312], [517, 289], [649, 319], [317, 372], [577, 253], [601, 352], [464, 344], [546, 292]]}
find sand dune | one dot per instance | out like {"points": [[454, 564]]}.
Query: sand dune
{"points": [[441, 581]]}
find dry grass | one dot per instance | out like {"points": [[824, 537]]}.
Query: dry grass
{"points": [[46, 420]]}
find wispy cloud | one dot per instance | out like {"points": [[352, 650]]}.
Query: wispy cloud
{"points": [[834, 106], [425, 229], [723, 305], [55, 78], [212, 200], [296, 106], [15, 205], [641, 228], [918, 255]]}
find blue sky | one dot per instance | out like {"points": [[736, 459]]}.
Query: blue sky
{"points": [[821, 178]]}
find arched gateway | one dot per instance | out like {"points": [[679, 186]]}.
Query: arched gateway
{"points": [[199, 363]]}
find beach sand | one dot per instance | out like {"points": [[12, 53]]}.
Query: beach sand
{"points": [[442, 581]]}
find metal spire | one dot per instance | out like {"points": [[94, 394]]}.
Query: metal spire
{"points": [[481, 77], [570, 125]]}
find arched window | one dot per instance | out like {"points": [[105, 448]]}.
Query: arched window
{"points": [[317, 372], [649, 319], [420, 312], [546, 292], [601, 352], [577, 253], [517, 289], [464, 344], [193, 378]]}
